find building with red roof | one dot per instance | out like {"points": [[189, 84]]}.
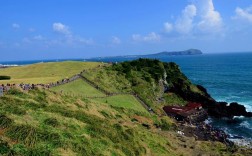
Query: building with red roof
{"points": [[191, 112]]}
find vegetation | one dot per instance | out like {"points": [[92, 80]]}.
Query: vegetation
{"points": [[45, 72], [2, 77], [147, 78], [109, 80], [78, 88], [125, 101], [47, 122], [54, 124]]}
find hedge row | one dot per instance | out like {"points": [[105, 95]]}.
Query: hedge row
{"points": [[5, 77]]}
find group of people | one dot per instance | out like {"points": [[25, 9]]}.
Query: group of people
{"points": [[26, 87]]}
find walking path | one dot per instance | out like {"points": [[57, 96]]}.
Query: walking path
{"points": [[26, 87], [139, 99]]}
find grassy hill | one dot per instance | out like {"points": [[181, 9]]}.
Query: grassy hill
{"points": [[78, 88], [146, 78], [125, 101], [48, 122], [45, 72]]}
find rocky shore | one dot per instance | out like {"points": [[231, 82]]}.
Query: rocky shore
{"points": [[215, 109]]}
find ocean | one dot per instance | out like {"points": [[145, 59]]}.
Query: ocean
{"points": [[227, 77]]}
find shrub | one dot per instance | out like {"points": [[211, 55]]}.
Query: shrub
{"points": [[51, 121], [3, 77], [5, 122], [4, 147], [30, 136]]}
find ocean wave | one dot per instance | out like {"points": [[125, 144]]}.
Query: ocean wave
{"points": [[242, 142], [8, 65], [240, 100], [246, 124]]}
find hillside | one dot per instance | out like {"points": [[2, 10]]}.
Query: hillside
{"points": [[151, 56], [45, 123], [101, 113], [149, 79], [44, 72], [174, 53]]}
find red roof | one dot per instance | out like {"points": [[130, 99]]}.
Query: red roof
{"points": [[193, 105], [173, 109], [181, 110]]}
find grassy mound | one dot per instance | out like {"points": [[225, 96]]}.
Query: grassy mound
{"points": [[78, 88], [125, 101], [45, 122], [45, 72], [54, 124]]}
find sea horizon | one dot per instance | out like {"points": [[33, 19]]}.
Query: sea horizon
{"points": [[37, 60], [226, 76]]}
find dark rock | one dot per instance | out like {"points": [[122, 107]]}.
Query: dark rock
{"points": [[214, 108]]}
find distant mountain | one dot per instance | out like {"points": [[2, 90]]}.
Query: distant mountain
{"points": [[156, 55], [165, 53]]}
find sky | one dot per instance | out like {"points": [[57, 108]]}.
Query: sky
{"points": [[56, 29]]}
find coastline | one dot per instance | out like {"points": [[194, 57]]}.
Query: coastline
{"points": [[224, 128]]}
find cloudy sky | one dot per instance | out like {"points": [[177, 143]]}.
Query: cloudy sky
{"points": [[54, 29]]}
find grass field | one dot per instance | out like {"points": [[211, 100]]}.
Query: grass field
{"points": [[78, 88], [45, 72], [125, 101], [109, 80], [40, 122]]}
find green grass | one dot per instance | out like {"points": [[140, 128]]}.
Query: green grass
{"points": [[44, 122], [55, 124], [78, 88], [173, 99], [125, 101], [108, 80], [45, 72]]}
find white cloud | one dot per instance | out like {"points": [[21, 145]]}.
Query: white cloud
{"points": [[116, 40], [211, 20], [31, 30], [184, 23], [38, 37], [168, 27], [69, 38], [243, 14], [26, 40], [84, 41], [149, 37], [61, 28], [15, 26]]}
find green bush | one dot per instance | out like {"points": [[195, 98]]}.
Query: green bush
{"points": [[5, 122], [30, 136], [3, 77], [4, 147], [52, 122]]}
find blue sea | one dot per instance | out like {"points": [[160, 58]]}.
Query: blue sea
{"points": [[226, 76]]}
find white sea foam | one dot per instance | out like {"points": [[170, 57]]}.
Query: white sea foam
{"points": [[247, 104], [242, 142], [246, 124], [8, 65]]}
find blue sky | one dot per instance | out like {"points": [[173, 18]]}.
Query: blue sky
{"points": [[55, 29]]}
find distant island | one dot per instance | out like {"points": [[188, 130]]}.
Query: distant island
{"points": [[155, 55], [165, 53]]}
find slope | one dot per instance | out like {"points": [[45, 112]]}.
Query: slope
{"points": [[45, 72], [44, 123]]}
